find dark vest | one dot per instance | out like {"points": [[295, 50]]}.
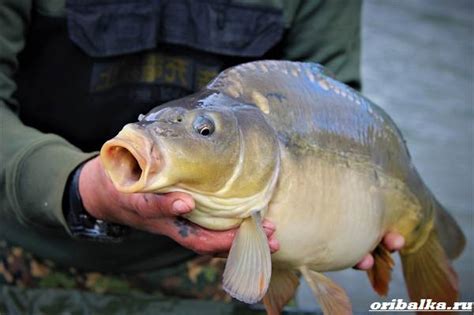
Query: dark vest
{"points": [[85, 76]]}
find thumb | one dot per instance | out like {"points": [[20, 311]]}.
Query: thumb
{"points": [[157, 205]]}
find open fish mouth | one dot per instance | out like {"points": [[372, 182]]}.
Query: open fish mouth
{"points": [[130, 160]]}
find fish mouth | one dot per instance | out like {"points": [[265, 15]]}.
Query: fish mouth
{"points": [[131, 160]]}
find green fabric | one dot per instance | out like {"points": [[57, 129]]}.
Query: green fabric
{"points": [[327, 32], [35, 167], [322, 31]]}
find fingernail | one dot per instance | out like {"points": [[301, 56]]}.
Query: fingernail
{"points": [[180, 207], [398, 243]]}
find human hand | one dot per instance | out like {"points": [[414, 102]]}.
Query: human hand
{"points": [[392, 241], [154, 213]]}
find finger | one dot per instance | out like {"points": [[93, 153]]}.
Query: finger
{"points": [[221, 241], [267, 224], [204, 241], [273, 244], [366, 263], [199, 239], [268, 231], [393, 241], [159, 205]]}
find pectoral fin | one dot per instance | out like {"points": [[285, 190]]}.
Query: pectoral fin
{"points": [[331, 297], [381, 273], [248, 269], [282, 289]]}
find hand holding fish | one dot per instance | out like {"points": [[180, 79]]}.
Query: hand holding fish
{"points": [[155, 213]]}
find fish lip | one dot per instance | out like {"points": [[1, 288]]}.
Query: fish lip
{"points": [[130, 160]]}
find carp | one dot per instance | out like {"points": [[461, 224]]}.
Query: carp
{"points": [[285, 141]]}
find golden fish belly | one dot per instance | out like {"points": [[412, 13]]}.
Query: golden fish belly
{"points": [[328, 215]]}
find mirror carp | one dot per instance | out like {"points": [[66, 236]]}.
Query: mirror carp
{"points": [[285, 141]]}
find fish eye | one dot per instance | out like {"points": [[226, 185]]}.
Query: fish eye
{"points": [[204, 126]]}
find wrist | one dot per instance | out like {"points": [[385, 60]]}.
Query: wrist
{"points": [[84, 224], [94, 188]]}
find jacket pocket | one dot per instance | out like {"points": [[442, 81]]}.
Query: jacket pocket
{"points": [[104, 28]]}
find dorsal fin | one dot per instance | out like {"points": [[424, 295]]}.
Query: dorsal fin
{"points": [[260, 81]]}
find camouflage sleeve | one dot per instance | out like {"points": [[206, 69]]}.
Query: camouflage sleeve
{"points": [[33, 166], [326, 32]]}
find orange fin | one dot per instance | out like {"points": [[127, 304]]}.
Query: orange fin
{"points": [[428, 273], [381, 273], [331, 297], [248, 268], [282, 288]]}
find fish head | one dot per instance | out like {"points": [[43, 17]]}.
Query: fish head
{"points": [[209, 145]]}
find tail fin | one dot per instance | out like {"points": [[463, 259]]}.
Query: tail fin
{"points": [[428, 272], [449, 233]]}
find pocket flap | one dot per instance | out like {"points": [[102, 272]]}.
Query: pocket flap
{"points": [[107, 28]]}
